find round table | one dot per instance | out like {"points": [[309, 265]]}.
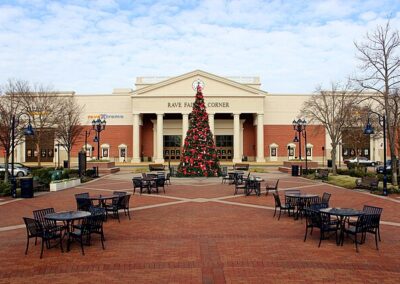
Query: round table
{"points": [[300, 200], [342, 214], [67, 217]]}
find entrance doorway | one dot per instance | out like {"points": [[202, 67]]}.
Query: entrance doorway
{"points": [[172, 147], [224, 146]]}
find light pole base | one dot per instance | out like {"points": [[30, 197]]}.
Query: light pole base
{"points": [[13, 187]]}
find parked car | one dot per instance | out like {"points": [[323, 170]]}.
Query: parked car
{"points": [[379, 169], [363, 161], [20, 170]]}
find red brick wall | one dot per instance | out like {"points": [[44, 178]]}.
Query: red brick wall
{"points": [[284, 134], [147, 138], [249, 138], [114, 135]]}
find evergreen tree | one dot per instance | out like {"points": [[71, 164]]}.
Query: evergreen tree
{"points": [[199, 157]]}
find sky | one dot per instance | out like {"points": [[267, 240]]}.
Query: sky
{"points": [[92, 47]]}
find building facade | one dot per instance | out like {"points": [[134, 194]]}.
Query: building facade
{"points": [[149, 123]]}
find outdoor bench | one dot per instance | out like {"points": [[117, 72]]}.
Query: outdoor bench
{"points": [[156, 167], [322, 174], [38, 186], [367, 183], [241, 167]]}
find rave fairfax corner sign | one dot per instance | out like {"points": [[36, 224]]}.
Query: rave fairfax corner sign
{"points": [[190, 104]]}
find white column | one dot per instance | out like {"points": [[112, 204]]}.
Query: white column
{"points": [[237, 157], [160, 135], [211, 123], [260, 138], [136, 139], [185, 126]]}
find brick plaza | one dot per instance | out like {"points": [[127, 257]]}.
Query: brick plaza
{"points": [[199, 232]]}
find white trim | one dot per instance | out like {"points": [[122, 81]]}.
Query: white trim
{"points": [[273, 146]]}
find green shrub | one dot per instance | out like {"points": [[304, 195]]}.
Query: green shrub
{"points": [[86, 179], [43, 175], [140, 170], [343, 181], [257, 170], [90, 173], [5, 188]]}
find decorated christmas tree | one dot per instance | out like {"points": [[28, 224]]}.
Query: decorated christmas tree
{"points": [[199, 157]]}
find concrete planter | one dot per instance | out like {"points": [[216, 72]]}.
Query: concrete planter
{"points": [[63, 184], [310, 164], [101, 165]]}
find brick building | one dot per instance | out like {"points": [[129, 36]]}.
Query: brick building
{"points": [[149, 123]]}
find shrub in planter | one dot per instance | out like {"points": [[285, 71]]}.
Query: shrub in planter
{"points": [[90, 173], [43, 175], [5, 188]]}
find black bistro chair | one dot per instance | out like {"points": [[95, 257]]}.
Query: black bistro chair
{"points": [[368, 209], [366, 223], [157, 184], [282, 207], [138, 183], [325, 198], [274, 186], [240, 184], [50, 225], [92, 224], [34, 229], [321, 221], [119, 203], [83, 203]]}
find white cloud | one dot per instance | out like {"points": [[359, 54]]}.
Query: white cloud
{"points": [[100, 45]]}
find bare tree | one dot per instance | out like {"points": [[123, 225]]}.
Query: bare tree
{"points": [[380, 65], [10, 109], [69, 127], [43, 106], [333, 109]]}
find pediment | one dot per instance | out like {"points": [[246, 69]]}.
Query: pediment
{"points": [[213, 86]]}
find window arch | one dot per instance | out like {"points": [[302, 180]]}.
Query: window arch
{"points": [[88, 149], [273, 151], [291, 151], [105, 151], [122, 152], [309, 151]]}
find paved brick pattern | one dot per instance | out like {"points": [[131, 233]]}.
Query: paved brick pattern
{"points": [[198, 232]]}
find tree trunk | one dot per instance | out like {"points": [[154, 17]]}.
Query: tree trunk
{"points": [[69, 159], [39, 154], [392, 146], [6, 159], [333, 157]]}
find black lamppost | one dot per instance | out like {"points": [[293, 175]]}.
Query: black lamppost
{"points": [[370, 130], [300, 127], [98, 126], [28, 131], [87, 134]]}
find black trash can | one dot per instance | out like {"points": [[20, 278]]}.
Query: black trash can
{"points": [[96, 171], [295, 170], [26, 187], [65, 164], [329, 163]]}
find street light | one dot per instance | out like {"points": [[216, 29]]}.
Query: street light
{"points": [[87, 134], [98, 126], [29, 132], [300, 127], [370, 130]]}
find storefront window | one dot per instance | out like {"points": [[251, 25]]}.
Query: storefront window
{"points": [[105, 152]]}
